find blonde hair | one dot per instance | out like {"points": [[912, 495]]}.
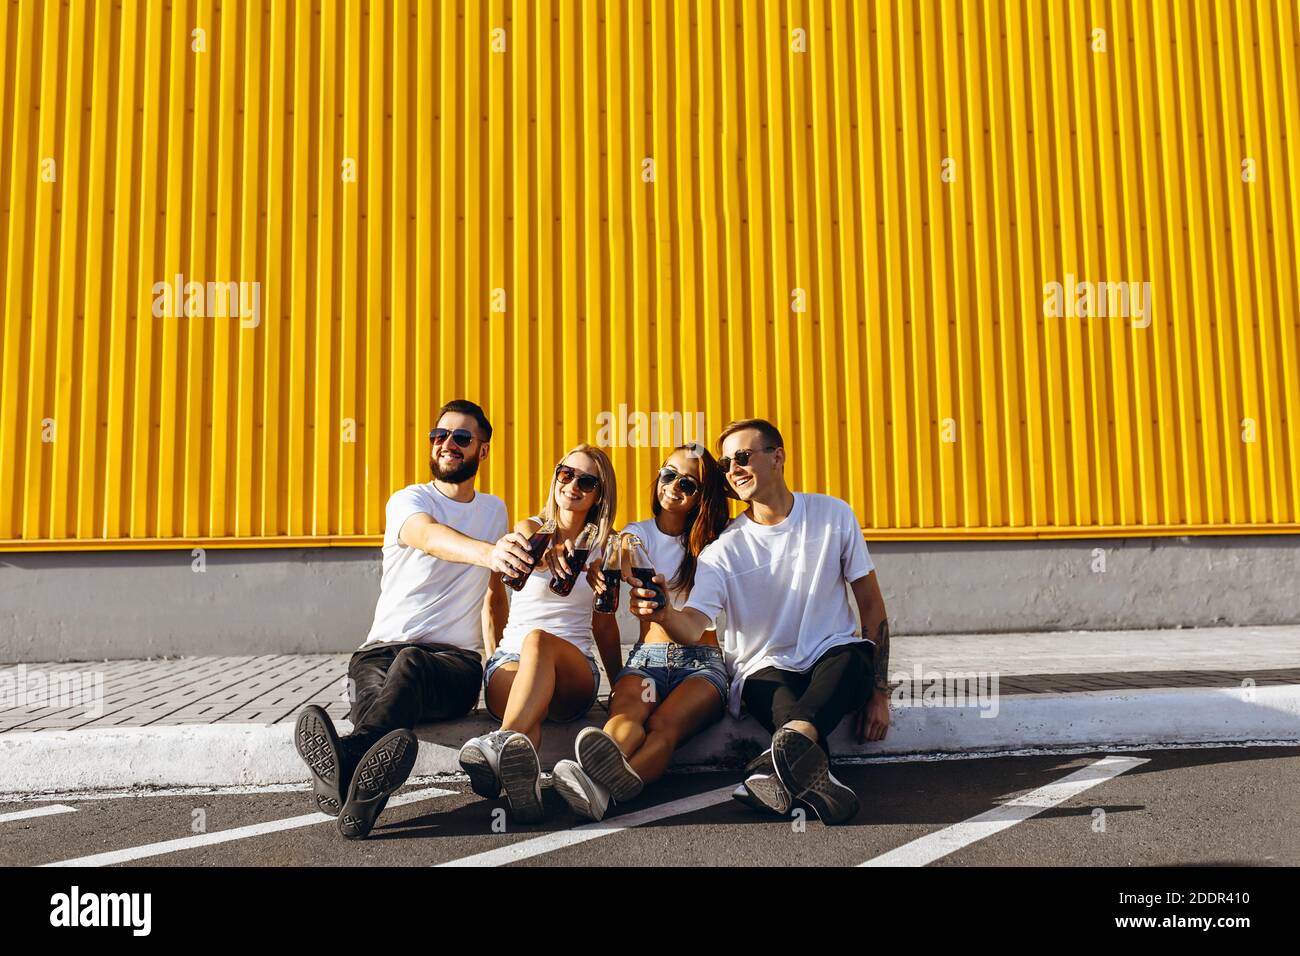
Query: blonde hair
{"points": [[603, 511]]}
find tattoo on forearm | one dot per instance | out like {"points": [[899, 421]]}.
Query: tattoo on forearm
{"points": [[881, 658]]}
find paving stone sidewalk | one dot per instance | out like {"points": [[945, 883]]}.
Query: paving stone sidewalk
{"points": [[271, 688]]}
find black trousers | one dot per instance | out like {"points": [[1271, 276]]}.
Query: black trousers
{"points": [[396, 686], [839, 683]]}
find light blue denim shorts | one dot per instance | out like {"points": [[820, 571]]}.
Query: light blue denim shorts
{"points": [[670, 664], [502, 657]]}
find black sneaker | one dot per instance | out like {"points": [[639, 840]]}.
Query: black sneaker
{"points": [[383, 769], [762, 788], [318, 744], [761, 764], [803, 768]]}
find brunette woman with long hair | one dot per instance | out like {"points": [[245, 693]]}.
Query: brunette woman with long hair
{"points": [[667, 692]]}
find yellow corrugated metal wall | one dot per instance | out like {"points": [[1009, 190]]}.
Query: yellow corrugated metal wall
{"points": [[843, 215]]}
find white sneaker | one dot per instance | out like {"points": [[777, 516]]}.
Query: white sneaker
{"points": [[584, 796], [520, 773], [600, 757], [480, 758]]}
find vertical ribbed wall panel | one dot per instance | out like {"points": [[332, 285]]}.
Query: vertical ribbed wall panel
{"points": [[852, 217]]}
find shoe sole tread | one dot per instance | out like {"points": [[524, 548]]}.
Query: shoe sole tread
{"points": [[382, 770], [769, 794], [520, 773], [602, 760], [319, 749], [482, 778], [575, 795], [803, 768]]}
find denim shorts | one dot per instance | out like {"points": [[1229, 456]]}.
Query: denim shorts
{"points": [[670, 664], [503, 657]]}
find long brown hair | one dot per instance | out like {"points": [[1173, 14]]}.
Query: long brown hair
{"points": [[706, 520]]}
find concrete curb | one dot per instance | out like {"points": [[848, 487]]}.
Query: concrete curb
{"points": [[230, 755]]}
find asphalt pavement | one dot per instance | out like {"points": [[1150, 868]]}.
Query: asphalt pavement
{"points": [[1198, 806]]}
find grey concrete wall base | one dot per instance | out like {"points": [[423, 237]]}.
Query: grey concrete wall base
{"points": [[87, 605], [222, 755]]}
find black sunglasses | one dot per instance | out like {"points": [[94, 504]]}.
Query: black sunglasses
{"points": [[586, 483], [685, 483], [461, 436], [741, 458]]}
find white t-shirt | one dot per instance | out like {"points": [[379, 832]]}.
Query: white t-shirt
{"points": [[783, 587], [536, 607], [423, 599]]}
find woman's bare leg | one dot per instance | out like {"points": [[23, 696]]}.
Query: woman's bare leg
{"points": [[552, 678], [629, 709], [693, 705], [499, 687]]}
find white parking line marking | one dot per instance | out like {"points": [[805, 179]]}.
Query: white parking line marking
{"points": [[548, 842], [36, 812], [934, 846], [238, 833]]}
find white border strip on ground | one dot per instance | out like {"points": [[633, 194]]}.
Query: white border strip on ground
{"points": [[50, 762], [238, 833], [80, 795], [547, 842], [934, 846], [36, 812]]}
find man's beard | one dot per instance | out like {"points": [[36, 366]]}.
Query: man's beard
{"points": [[466, 469]]}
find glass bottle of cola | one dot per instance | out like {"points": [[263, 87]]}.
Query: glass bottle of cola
{"points": [[537, 545], [576, 561], [643, 568], [611, 572]]}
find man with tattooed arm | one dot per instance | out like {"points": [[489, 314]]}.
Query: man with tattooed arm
{"points": [[796, 660]]}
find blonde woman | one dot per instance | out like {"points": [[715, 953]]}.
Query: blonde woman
{"points": [[543, 663], [668, 692]]}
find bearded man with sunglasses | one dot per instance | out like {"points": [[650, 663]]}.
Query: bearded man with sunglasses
{"points": [[797, 662], [422, 659]]}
